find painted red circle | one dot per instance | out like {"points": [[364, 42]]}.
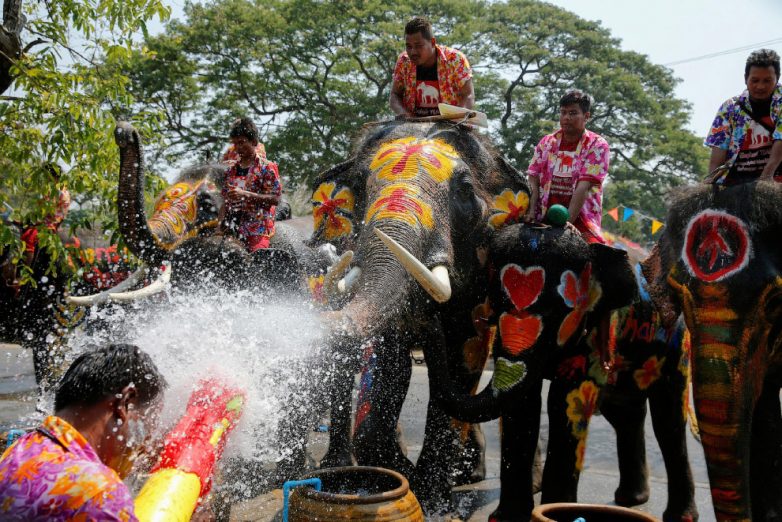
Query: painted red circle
{"points": [[716, 245]]}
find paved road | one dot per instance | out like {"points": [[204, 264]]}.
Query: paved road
{"points": [[599, 479]]}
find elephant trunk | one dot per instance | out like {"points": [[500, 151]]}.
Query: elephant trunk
{"points": [[725, 389], [130, 197]]}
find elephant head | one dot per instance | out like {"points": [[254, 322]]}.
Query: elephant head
{"points": [[547, 287], [722, 262]]}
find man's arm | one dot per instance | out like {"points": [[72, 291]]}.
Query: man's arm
{"points": [[773, 161], [577, 201], [467, 95], [534, 185], [718, 157], [396, 100]]}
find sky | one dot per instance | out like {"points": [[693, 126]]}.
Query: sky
{"points": [[669, 31], [672, 30]]}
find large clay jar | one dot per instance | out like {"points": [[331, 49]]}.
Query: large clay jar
{"points": [[355, 493], [568, 512]]}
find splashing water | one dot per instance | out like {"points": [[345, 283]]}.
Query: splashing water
{"points": [[254, 341]]}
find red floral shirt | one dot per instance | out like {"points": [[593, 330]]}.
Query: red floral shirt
{"points": [[453, 71], [263, 177]]}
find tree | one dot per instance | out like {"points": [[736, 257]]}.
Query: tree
{"points": [[61, 88], [312, 81]]}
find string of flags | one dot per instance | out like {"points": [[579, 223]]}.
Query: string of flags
{"points": [[627, 213]]}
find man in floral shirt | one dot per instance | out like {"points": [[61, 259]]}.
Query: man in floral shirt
{"points": [[71, 467], [746, 136], [427, 74], [569, 168], [251, 190]]}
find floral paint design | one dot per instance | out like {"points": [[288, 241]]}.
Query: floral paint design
{"points": [[716, 246], [649, 372], [175, 212], [519, 329], [581, 405], [401, 202], [315, 284], [507, 208], [332, 210], [579, 293], [407, 158]]}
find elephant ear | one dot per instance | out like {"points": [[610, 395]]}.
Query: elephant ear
{"points": [[334, 205], [508, 194], [614, 273], [656, 269]]}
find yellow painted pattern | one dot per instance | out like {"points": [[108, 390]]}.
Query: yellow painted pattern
{"points": [[406, 158], [507, 208], [170, 495], [401, 202], [175, 212], [332, 210]]}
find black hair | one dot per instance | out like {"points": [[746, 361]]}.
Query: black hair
{"points": [[103, 372], [762, 58], [578, 97], [419, 25], [246, 128]]}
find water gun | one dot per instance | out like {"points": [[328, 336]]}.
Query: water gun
{"points": [[184, 472]]}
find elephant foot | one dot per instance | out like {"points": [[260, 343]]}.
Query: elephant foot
{"points": [[688, 516], [337, 459], [503, 515], [628, 497]]}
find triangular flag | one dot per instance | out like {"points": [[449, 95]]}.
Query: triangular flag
{"points": [[614, 213], [656, 226], [627, 213]]}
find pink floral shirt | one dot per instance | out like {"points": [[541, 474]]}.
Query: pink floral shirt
{"points": [[54, 474], [589, 163], [453, 71]]}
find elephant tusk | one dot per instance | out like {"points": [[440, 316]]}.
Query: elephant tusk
{"points": [[155, 288], [436, 281], [346, 283], [335, 273], [102, 297]]}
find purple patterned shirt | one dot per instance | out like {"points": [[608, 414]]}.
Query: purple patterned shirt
{"points": [[54, 474]]}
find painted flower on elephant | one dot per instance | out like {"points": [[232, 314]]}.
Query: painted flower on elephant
{"points": [[581, 405], [649, 372], [401, 202], [508, 208], [315, 284], [406, 158], [579, 293], [519, 329], [175, 213], [572, 367], [332, 210]]}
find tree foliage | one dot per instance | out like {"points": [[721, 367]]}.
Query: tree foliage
{"points": [[62, 88], [311, 73]]}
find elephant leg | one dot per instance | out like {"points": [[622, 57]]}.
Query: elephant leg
{"points": [[670, 429], [570, 407], [627, 416], [377, 413], [518, 445], [339, 452], [766, 457]]}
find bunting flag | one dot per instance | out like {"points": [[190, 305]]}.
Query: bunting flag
{"points": [[628, 213]]}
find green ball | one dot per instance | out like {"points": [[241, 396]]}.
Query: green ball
{"points": [[557, 215]]}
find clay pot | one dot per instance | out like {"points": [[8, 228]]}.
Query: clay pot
{"points": [[355, 493], [568, 512]]}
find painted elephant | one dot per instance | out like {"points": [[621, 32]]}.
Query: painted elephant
{"points": [[430, 191], [720, 261], [547, 287], [182, 230]]}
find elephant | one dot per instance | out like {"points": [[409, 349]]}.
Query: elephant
{"points": [[719, 261], [433, 190], [182, 231], [548, 286]]}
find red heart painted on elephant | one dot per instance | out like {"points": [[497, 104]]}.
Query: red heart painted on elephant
{"points": [[522, 286], [519, 333]]}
